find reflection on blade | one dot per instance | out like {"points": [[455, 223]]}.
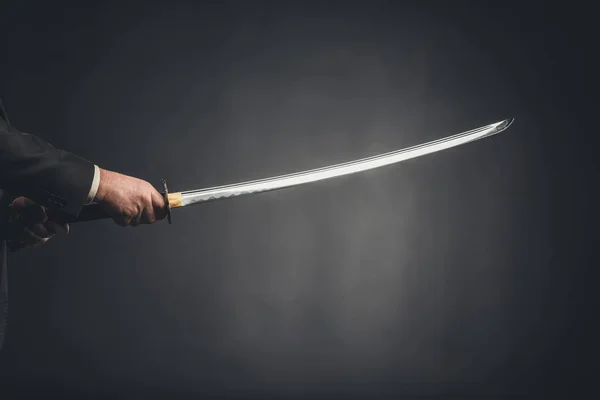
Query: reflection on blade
{"points": [[283, 181]]}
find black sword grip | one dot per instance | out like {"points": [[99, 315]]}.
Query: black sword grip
{"points": [[91, 212]]}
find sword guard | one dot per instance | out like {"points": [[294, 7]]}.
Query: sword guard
{"points": [[166, 197]]}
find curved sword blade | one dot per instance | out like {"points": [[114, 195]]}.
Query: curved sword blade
{"points": [[283, 181]]}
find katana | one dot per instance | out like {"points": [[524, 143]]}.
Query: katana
{"points": [[199, 196]]}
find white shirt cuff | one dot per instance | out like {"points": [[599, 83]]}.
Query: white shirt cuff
{"points": [[95, 184]]}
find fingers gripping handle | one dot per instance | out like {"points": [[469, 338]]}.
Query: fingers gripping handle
{"points": [[94, 212]]}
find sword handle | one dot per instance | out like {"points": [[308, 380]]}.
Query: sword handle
{"points": [[95, 212], [91, 212]]}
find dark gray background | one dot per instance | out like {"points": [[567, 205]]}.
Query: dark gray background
{"points": [[460, 272]]}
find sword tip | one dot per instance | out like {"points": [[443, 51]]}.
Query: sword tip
{"points": [[503, 125]]}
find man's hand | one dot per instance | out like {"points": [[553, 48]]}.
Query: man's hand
{"points": [[28, 224], [129, 200]]}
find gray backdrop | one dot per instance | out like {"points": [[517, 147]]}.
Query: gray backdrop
{"points": [[453, 273]]}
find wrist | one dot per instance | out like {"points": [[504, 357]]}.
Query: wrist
{"points": [[103, 185]]}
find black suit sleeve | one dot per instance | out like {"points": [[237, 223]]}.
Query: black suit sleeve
{"points": [[31, 167], [3, 274]]}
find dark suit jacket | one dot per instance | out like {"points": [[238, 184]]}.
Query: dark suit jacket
{"points": [[33, 168]]}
